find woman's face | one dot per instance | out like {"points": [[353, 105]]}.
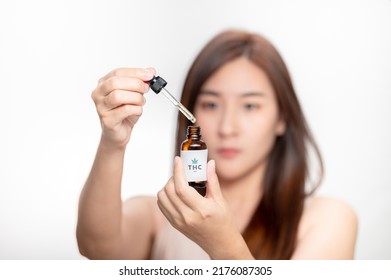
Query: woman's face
{"points": [[239, 118]]}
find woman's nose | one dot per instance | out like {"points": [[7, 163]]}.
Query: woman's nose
{"points": [[228, 123]]}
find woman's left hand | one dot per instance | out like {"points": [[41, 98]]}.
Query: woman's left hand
{"points": [[205, 220]]}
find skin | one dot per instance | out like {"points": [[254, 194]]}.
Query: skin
{"points": [[230, 105]]}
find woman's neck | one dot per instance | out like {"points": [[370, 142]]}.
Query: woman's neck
{"points": [[243, 194]]}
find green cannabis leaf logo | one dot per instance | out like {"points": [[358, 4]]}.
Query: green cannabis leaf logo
{"points": [[194, 161]]}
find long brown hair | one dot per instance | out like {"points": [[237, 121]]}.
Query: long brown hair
{"points": [[272, 231]]}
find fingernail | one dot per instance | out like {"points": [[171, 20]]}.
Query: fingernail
{"points": [[214, 166], [146, 74]]}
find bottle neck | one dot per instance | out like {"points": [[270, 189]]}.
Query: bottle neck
{"points": [[193, 132], [194, 137]]}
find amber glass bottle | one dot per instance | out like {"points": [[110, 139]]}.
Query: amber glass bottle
{"points": [[194, 154]]}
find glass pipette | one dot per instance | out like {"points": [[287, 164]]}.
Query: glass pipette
{"points": [[157, 84]]}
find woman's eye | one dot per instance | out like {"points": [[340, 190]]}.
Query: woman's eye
{"points": [[251, 106], [208, 105]]}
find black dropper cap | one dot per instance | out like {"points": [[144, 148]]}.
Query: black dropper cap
{"points": [[157, 84]]}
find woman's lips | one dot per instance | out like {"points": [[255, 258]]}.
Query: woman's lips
{"points": [[228, 152]]}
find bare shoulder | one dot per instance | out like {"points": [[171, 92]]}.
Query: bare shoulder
{"points": [[328, 208], [327, 230]]}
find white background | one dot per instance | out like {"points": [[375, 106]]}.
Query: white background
{"points": [[53, 52]]}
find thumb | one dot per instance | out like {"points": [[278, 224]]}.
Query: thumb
{"points": [[212, 186], [151, 70]]}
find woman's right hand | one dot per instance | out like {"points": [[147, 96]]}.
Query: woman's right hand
{"points": [[119, 99]]}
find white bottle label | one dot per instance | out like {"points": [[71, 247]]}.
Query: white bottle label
{"points": [[194, 163]]}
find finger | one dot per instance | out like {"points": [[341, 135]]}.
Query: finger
{"points": [[122, 97], [118, 83], [175, 199], [187, 194], [172, 207], [145, 74], [212, 186], [114, 117], [165, 205], [122, 83], [151, 70]]}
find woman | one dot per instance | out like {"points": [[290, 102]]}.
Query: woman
{"points": [[256, 204]]}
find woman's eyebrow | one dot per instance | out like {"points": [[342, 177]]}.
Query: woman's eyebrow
{"points": [[249, 94], [209, 92], [246, 94]]}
